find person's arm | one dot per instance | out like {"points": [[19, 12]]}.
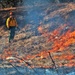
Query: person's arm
{"points": [[7, 22]]}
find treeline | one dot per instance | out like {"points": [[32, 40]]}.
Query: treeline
{"points": [[14, 3], [10, 3]]}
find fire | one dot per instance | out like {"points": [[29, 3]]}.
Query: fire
{"points": [[60, 39], [40, 29], [60, 42], [43, 54], [8, 53]]}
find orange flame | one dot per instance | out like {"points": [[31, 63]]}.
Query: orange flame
{"points": [[60, 41]]}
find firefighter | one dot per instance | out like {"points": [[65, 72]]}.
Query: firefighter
{"points": [[11, 24]]}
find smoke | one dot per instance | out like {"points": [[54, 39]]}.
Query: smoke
{"points": [[37, 13], [43, 12], [34, 2]]}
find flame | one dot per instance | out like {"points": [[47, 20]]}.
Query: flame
{"points": [[60, 43], [8, 53], [60, 39]]}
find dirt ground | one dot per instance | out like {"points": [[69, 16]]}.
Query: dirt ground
{"points": [[54, 35]]}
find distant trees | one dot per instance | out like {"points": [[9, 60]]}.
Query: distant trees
{"points": [[11, 3], [14, 3]]}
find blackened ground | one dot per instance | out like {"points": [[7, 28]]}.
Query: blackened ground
{"points": [[28, 41]]}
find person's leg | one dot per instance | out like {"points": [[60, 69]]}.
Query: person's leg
{"points": [[12, 33]]}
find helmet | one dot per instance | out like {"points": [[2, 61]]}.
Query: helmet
{"points": [[11, 13]]}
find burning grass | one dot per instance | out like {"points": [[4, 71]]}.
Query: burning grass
{"points": [[58, 42], [61, 53]]}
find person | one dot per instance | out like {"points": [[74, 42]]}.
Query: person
{"points": [[11, 24]]}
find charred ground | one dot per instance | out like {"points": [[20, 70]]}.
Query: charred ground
{"points": [[33, 45]]}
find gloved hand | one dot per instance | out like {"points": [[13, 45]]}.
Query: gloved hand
{"points": [[8, 28]]}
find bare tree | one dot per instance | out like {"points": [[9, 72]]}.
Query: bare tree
{"points": [[9, 3]]}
